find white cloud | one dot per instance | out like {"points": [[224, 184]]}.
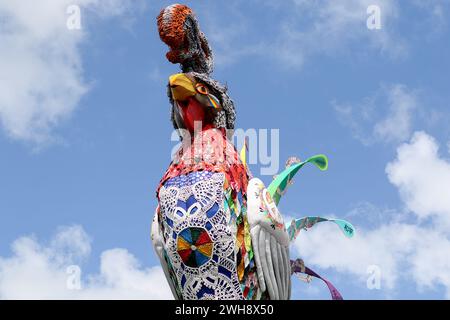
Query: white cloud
{"points": [[224, 37], [327, 248], [37, 271], [332, 26], [430, 263], [417, 253], [386, 116], [302, 29], [422, 177], [398, 124], [42, 75], [404, 252]]}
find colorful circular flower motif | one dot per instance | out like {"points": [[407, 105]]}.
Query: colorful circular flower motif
{"points": [[194, 247]]}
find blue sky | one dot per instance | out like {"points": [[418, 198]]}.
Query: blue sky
{"points": [[85, 137]]}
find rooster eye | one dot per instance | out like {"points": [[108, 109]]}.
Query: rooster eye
{"points": [[201, 88]]}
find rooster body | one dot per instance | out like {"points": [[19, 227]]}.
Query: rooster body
{"points": [[202, 223], [217, 231]]}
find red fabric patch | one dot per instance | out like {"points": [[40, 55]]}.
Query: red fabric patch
{"points": [[202, 239], [185, 254]]}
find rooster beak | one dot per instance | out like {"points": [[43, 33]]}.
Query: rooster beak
{"points": [[181, 87]]}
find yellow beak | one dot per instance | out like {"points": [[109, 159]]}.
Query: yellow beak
{"points": [[181, 87]]}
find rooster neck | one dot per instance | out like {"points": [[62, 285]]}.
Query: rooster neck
{"points": [[209, 150]]}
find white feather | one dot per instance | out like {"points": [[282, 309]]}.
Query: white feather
{"points": [[270, 243]]}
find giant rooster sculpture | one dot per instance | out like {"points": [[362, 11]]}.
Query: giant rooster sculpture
{"points": [[218, 232]]}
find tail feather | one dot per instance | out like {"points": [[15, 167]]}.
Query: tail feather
{"points": [[279, 186], [306, 223]]}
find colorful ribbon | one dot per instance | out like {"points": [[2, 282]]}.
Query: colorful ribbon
{"points": [[308, 222], [298, 266], [279, 186]]}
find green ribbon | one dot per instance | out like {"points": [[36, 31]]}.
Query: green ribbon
{"points": [[278, 186], [308, 222]]}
